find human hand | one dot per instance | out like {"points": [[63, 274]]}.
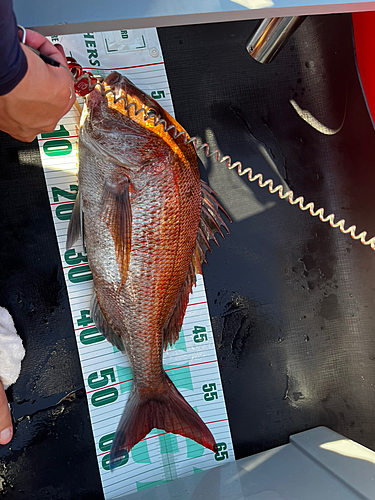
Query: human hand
{"points": [[44, 95], [6, 428]]}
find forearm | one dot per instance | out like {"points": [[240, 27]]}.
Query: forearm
{"points": [[13, 63], [42, 97]]}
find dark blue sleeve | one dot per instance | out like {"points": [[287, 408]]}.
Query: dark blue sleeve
{"points": [[13, 62]]}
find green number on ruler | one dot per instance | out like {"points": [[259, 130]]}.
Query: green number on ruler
{"points": [[85, 319], [105, 461], [221, 453], [124, 34], [72, 258], [91, 336], [157, 94], [60, 132], [210, 390], [105, 444], [56, 192], [80, 274], [199, 334], [64, 212], [58, 147], [104, 397], [107, 375], [106, 441]]}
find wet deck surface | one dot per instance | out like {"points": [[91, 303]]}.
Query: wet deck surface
{"points": [[291, 299]]}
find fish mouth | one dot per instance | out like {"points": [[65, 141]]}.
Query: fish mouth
{"points": [[122, 86]]}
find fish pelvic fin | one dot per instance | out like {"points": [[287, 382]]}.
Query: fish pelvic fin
{"points": [[117, 215], [103, 326], [75, 228], [210, 222], [166, 410]]}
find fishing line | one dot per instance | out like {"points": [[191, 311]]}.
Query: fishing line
{"points": [[241, 171]]}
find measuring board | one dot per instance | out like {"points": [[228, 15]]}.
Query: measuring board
{"points": [[191, 363]]}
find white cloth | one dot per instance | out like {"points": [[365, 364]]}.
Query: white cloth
{"points": [[11, 350]]}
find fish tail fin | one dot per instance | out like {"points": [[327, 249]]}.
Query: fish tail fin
{"points": [[168, 411]]}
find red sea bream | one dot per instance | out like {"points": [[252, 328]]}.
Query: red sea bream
{"points": [[147, 219]]}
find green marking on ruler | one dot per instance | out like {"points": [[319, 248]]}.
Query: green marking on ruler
{"points": [[140, 453], [156, 431], [194, 450], [124, 373], [108, 49], [168, 444], [196, 470], [180, 376], [144, 43], [143, 485]]}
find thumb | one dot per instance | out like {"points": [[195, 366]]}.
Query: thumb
{"points": [[59, 48], [6, 428]]}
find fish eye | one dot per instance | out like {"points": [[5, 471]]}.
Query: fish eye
{"points": [[151, 113]]}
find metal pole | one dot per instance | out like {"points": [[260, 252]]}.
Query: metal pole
{"points": [[270, 36]]}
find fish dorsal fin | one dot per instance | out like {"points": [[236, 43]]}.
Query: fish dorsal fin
{"points": [[211, 219], [102, 325], [117, 215], [209, 223], [75, 228]]}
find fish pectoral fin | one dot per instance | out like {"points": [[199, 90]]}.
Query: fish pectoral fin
{"points": [[167, 410], [102, 325], [75, 228], [117, 215]]}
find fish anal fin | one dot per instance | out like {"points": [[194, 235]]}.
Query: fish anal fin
{"points": [[166, 410], [172, 329], [117, 215], [102, 325], [75, 228]]}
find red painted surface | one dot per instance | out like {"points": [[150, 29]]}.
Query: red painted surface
{"points": [[364, 36]]}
